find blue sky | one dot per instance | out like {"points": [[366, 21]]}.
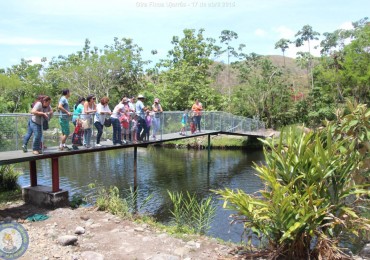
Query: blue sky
{"points": [[33, 29]]}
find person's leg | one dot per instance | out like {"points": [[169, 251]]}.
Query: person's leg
{"points": [[65, 131], [199, 118], [99, 128], [28, 135], [36, 145], [139, 129], [88, 137], [115, 125]]}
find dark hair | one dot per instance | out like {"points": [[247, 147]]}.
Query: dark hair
{"points": [[65, 91], [89, 97], [79, 100], [39, 98], [46, 98]]}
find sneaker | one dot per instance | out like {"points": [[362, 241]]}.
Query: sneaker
{"points": [[24, 148], [98, 145], [67, 148], [74, 147]]}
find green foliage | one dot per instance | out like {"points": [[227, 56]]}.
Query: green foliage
{"points": [[77, 200], [111, 200], [310, 198], [8, 178], [192, 215]]}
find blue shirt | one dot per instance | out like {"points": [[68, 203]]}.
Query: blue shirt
{"points": [[64, 102]]}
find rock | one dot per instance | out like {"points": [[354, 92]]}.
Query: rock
{"points": [[97, 225], [365, 252], [192, 244], [67, 240], [181, 251], [84, 217], [164, 257], [139, 229], [79, 231], [90, 255]]}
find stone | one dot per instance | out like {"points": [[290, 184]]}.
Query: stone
{"points": [[365, 251], [90, 255], [79, 231], [84, 217], [67, 240]]}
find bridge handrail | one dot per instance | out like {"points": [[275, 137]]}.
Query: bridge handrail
{"points": [[13, 126]]}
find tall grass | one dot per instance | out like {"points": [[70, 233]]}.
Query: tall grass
{"points": [[8, 178], [123, 204], [191, 214]]}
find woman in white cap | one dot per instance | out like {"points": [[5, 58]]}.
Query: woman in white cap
{"points": [[157, 109]]}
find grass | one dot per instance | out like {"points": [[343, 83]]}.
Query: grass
{"points": [[10, 196]]}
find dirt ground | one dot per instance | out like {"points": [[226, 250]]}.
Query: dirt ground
{"points": [[101, 235]]}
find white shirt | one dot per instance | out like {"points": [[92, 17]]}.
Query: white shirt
{"points": [[101, 117]]}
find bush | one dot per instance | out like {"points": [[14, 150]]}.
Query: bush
{"points": [[310, 198], [8, 178]]}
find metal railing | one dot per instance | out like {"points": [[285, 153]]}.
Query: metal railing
{"points": [[13, 127]]}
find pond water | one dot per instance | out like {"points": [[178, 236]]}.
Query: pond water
{"points": [[159, 170]]}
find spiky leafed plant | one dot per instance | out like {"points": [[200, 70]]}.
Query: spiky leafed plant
{"points": [[310, 197]]}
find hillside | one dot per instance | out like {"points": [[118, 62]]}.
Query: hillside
{"points": [[294, 74]]}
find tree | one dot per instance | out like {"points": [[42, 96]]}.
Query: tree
{"points": [[185, 73], [283, 44], [116, 68], [307, 34], [226, 37]]}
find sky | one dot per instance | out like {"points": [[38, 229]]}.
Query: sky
{"points": [[32, 29]]}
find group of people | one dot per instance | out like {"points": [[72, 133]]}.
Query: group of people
{"points": [[131, 121]]}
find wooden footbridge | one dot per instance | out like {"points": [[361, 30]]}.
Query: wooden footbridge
{"points": [[212, 123]]}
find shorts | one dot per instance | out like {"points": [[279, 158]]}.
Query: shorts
{"points": [[64, 124]]}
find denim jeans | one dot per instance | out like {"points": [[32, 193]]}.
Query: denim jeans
{"points": [[156, 125], [87, 136], [99, 127], [197, 122], [142, 129], [35, 129], [116, 130]]}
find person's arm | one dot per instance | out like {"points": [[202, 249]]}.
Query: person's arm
{"points": [[35, 110], [60, 107]]}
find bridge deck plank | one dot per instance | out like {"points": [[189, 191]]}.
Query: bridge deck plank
{"points": [[10, 157]]}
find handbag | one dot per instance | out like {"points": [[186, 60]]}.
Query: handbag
{"points": [[45, 124], [107, 122], [77, 139], [86, 123]]}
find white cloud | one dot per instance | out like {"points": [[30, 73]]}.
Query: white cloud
{"points": [[4, 40], [346, 26], [284, 32], [260, 32]]}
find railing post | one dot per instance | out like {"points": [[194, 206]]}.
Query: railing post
{"points": [[33, 173], [55, 174]]}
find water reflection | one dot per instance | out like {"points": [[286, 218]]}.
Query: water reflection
{"points": [[159, 170]]}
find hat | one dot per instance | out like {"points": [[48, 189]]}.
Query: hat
{"points": [[156, 100], [140, 96]]}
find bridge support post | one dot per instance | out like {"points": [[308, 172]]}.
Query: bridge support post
{"points": [[135, 168], [209, 148], [43, 196], [55, 174], [33, 174]]}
